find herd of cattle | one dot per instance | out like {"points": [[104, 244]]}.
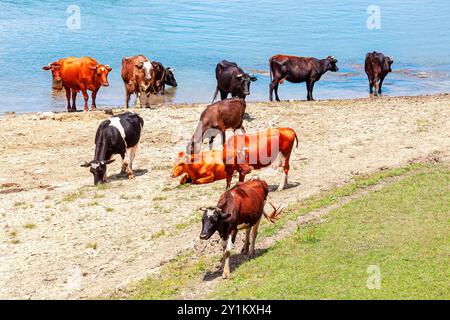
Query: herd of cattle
{"points": [[242, 206]]}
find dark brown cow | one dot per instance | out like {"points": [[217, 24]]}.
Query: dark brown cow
{"points": [[377, 67], [163, 76], [216, 119], [137, 76], [232, 79], [238, 208], [296, 70]]}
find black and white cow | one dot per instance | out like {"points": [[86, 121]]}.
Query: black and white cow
{"points": [[116, 135]]}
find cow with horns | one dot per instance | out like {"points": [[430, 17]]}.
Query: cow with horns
{"points": [[238, 208]]}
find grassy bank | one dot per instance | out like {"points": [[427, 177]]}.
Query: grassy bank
{"points": [[402, 231], [186, 270]]}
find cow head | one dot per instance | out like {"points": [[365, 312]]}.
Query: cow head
{"points": [[333, 61], [98, 169], [54, 67], [101, 72], [178, 165], [170, 78], [147, 67], [241, 83], [388, 61], [211, 221]]}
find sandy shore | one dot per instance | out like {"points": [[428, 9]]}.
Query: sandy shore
{"points": [[63, 238]]}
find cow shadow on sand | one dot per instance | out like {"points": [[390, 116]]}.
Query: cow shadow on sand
{"points": [[119, 176], [290, 185], [248, 117], [235, 261]]}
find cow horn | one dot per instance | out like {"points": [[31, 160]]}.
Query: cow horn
{"points": [[239, 75], [274, 215], [171, 69]]}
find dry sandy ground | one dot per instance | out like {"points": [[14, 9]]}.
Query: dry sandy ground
{"points": [[61, 238]]}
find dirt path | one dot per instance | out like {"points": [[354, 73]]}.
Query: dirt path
{"points": [[62, 238]]}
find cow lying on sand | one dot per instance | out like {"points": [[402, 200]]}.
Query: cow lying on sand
{"points": [[238, 208], [116, 135]]}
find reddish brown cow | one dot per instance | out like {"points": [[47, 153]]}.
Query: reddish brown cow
{"points": [[83, 74], [54, 67], [238, 208], [259, 150], [377, 67], [216, 119], [138, 76]]}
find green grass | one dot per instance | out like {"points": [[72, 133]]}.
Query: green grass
{"points": [[330, 197], [402, 229], [92, 245], [29, 225]]}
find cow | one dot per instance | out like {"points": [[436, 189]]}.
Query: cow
{"points": [[116, 135], [232, 79], [138, 76], [54, 67], [238, 208], [296, 70], [243, 153], [216, 119], [202, 168], [163, 76], [83, 74], [377, 67]]}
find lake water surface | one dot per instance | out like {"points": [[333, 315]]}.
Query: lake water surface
{"points": [[192, 36]]}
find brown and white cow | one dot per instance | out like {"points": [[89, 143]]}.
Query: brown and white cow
{"points": [[138, 76], [238, 208], [377, 67]]}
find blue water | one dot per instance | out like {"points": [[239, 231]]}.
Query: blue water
{"points": [[192, 36]]}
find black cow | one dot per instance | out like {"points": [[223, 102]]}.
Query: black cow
{"points": [[163, 76], [377, 66], [296, 70], [232, 79], [115, 136]]}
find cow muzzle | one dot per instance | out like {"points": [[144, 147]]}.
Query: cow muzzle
{"points": [[106, 84], [204, 236]]}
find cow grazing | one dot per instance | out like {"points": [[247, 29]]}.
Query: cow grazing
{"points": [[138, 76], [216, 119], [202, 168], [82, 74], [54, 67], [238, 208], [297, 70], [243, 153], [377, 67], [163, 76], [116, 135], [232, 79]]}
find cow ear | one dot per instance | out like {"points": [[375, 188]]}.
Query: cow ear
{"points": [[139, 65], [109, 161], [93, 67], [181, 154], [46, 68], [108, 68], [253, 79], [85, 165]]}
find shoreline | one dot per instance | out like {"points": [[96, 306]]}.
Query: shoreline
{"points": [[182, 105]]}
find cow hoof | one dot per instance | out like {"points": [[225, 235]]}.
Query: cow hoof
{"points": [[244, 251], [94, 109], [251, 254], [225, 276], [131, 177]]}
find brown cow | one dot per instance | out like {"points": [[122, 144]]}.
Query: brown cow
{"points": [[54, 67], [377, 66], [83, 74], [163, 76], [238, 208], [138, 76], [259, 150], [216, 119], [298, 69]]}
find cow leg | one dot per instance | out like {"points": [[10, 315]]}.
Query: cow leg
{"points": [[227, 253], [205, 180], [274, 87], [381, 83], [254, 234], [284, 179], [93, 97], [68, 98], [370, 85], [74, 100], [86, 98], [130, 164], [377, 87], [247, 241], [127, 98], [311, 88], [229, 170], [211, 141]]}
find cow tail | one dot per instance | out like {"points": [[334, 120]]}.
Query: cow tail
{"points": [[270, 69], [296, 139]]}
